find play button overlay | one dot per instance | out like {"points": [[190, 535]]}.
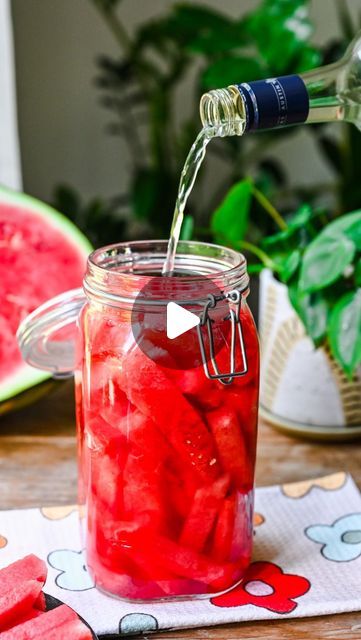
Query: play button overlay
{"points": [[166, 316], [179, 320]]}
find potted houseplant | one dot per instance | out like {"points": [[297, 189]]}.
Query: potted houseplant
{"points": [[310, 311], [310, 314]]}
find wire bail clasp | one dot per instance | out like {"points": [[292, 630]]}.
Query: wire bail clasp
{"points": [[234, 298]]}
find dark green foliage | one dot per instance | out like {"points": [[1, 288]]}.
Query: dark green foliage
{"points": [[139, 89], [316, 251], [324, 278], [102, 222]]}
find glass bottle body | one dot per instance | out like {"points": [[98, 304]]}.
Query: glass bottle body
{"points": [[327, 94]]}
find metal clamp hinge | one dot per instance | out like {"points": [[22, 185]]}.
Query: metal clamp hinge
{"points": [[234, 298]]}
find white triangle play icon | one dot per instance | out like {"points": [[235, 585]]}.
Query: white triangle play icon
{"points": [[179, 320]]}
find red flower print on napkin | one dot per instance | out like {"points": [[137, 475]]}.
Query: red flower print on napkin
{"points": [[265, 585]]}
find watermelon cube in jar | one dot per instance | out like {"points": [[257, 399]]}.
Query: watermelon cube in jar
{"points": [[166, 450]]}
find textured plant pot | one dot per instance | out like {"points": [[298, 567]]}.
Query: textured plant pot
{"points": [[303, 390]]}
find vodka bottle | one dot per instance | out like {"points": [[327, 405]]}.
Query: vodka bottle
{"points": [[328, 94]]}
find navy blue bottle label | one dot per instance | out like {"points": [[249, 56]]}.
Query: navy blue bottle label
{"points": [[275, 102]]}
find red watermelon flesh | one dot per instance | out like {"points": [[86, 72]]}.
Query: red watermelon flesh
{"points": [[203, 513], [232, 452], [30, 615], [42, 254], [16, 602], [46, 623], [28, 568], [40, 604], [158, 397], [75, 630], [223, 534]]}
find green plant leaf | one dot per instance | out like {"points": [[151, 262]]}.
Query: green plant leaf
{"points": [[281, 21], [284, 240], [357, 273], [325, 260], [345, 331], [187, 228], [196, 29], [229, 222], [301, 217], [354, 233], [231, 70], [225, 36], [289, 265], [145, 192], [255, 269], [310, 58], [342, 224], [313, 310]]}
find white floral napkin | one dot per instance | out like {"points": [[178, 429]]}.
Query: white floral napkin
{"points": [[307, 562]]}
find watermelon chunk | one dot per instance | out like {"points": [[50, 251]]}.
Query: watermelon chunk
{"points": [[57, 620], [30, 615], [156, 396], [232, 452], [28, 568], [223, 534], [182, 561], [17, 601], [203, 513], [40, 603], [75, 630], [42, 254], [197, 388], [106, 482], [142, 493], [192, 565]]}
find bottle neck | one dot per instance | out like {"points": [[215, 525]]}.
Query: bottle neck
{"points": [[321, 95], [326, 100]]}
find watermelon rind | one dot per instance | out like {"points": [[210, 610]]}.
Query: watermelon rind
{"points": [[52, 217], [26, 377], [29, 396], [22, 379]]}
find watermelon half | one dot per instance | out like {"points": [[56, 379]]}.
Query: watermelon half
{"points": [[42, 254]]}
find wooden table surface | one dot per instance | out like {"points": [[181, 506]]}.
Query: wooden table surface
{"points": [[38, 467]]}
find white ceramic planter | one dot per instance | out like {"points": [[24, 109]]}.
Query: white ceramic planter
{"points": [[303, 390]]}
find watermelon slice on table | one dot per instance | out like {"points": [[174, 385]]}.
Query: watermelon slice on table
{"points": [[42, 254], [25, 610], [60, 622], [36, 610], [74, 630], [28, 568], [30, 615], [16, 601]]}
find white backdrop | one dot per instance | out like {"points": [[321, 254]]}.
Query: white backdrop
{"points": [[10, 173]]}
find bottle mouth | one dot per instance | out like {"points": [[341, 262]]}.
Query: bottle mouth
{"points": [[116, 273], [219, 112]]}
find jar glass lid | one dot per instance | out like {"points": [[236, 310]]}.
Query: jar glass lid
{"points": [[47, 336]]}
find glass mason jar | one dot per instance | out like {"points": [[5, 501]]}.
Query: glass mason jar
{"points": [[166, 447]]}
